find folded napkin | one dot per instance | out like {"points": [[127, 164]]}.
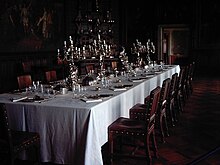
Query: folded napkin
{"points": [[16, 99], [158, 72], [117, 89], [148, 76], [36, 100], [91, 100]]}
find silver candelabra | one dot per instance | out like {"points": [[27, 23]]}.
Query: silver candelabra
{"points": [[70, 53]]}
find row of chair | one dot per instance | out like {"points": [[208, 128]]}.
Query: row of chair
{"points": [[181, 89], [26, 80], [160, 110], [95, 68]]}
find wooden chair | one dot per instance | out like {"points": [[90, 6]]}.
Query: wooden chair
{"points": [[138, 111], [26, 65], [51, 76], [24, 81], [89, 68], [114, 65], [162, 108], [181, 93], [171, 100], [136, 129], [14, 142], [189, 86]]}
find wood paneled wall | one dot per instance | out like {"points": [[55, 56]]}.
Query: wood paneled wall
{"points": [[11, 66]]}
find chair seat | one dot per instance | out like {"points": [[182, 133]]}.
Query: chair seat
{"points": [[13, 142], [128, 125], [22, 140]]}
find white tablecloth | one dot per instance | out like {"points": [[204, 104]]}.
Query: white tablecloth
{"points": [[72, 131]]}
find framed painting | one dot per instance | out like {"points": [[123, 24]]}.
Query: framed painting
{"points": [[31, 25]]}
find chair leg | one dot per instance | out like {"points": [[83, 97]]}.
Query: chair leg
{"points": [[184, 93], [188, 88], [182, 98], [179, 102], [174, 110], [161, 128], [165, 124], [37, 149], [154, 144], [171, 115], [111, 143], [147, 150]]}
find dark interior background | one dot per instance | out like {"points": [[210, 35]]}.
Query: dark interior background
{"points": [[137, 19]]}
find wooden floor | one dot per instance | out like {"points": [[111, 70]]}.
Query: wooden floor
{"points": [[196, 133]]}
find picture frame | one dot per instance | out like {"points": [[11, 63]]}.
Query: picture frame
{"points": [[31, 25]]}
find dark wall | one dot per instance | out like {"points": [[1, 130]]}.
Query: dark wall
{"points": [[133, 19], [141, 20], [35, 64]]}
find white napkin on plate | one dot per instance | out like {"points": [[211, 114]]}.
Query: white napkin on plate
{"points": [[90, 100], [16, 99], [118, 89]]}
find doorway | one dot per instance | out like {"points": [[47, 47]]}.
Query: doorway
{"points": [[173, 43]]}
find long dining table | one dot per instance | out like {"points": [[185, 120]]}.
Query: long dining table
{"points": [[72, 130]]}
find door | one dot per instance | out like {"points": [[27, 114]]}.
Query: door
{"points": [[173, 43]]}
